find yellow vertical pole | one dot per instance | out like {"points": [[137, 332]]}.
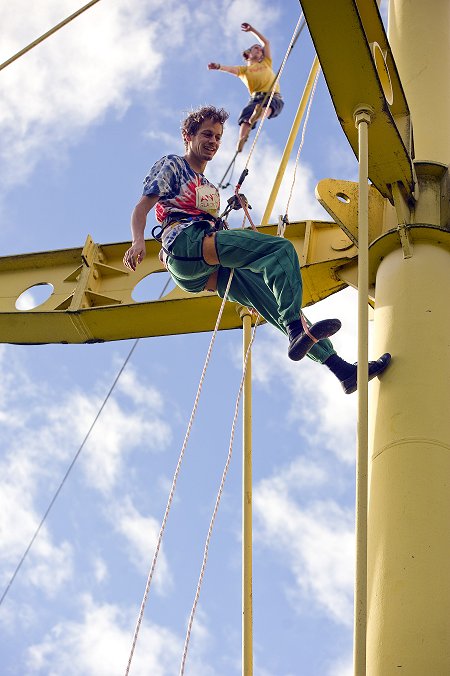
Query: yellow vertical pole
{"points": [[408, 628], [362, 121], [291, 140], [247, 593]]}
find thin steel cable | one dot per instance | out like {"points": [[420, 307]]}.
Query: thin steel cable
{"points": [[175, 478], [75, 458], [216, 506], [47, 34], [266, 109]]}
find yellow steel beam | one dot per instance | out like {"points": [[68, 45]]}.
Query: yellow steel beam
{"points": [[92, 290], [359, 69]]}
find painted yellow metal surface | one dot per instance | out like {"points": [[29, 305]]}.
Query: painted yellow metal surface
{"points": [[408, 535], [360, 71], [92, 290]]}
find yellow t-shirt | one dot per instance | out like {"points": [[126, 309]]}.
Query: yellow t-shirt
{"points": [[258, 77]]}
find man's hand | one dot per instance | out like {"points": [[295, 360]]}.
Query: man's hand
{"points": [[134, 255], [246, 27], [213, 66]]}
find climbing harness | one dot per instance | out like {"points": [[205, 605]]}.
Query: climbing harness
{"points": [[235, 202], [277, 78], [210, 225], [230, 169], [265, 95]]}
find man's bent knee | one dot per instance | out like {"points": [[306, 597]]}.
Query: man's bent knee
{"points": [[209, 249]]}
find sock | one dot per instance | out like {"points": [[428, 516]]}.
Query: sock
{"points": [[341, 368], [294, 328]]}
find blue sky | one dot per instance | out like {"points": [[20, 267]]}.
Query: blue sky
{"points": [[82, 118]]}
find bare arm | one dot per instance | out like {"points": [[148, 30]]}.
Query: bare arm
{"points": [[248, 28], [234, 70], [136, 252]]}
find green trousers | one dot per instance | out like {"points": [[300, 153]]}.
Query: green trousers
{"points": [[266, 275]]}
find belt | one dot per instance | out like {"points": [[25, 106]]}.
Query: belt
{"points": [[158, 230]]}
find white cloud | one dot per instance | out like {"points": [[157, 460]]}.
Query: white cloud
{"points": [[263, 168], [118, 430], [343, 667], [39, 439], [100, 645], [141, 533], [325, 416], [50, 95], [100, 569], [317, 543]]}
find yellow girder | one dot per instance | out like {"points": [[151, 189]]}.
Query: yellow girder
{"points": [[359, 69], [92, 290]]}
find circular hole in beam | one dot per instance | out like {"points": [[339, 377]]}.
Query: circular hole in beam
{"points": [[34, 296], [342, 197], [151, 287]]}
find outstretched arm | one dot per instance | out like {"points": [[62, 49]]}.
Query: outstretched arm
{"points": [[248, 28], [136, 252], [234, 70]]}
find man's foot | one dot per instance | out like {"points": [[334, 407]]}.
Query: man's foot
{"points": [[301, 342], [376, 368]]}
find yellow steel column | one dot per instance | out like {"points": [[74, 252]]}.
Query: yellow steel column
{"points": [[247, 605], [409, 515], [291, 140], [362, 121], [420, 41]]}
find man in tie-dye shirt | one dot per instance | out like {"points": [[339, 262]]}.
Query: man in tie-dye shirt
{"points": [[200, 253]]}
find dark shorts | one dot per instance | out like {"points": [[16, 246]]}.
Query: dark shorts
{"points": [[276, 104]]}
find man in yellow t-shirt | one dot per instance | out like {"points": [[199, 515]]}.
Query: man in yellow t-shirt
{"points": [[258, 77]]}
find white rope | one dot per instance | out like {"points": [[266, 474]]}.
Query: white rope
{"points": [[277, 79], [216, 506], [305, 123], [180, 459], [175, 477]]}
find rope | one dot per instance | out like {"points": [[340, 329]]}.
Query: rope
{"points": [[290, 48], [305, 326], [229, 169], [277, 78], [75, 458], [47, 34], [216, 506], [302, 140], [182, 452], [175, 478]]}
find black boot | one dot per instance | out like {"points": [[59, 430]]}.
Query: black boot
{"points": [[347, 373], [300, 342]]}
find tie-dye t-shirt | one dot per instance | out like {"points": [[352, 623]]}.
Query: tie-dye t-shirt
{"points": [[183, 193]]}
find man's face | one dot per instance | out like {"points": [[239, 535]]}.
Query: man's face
{"points": [[205, 143]]}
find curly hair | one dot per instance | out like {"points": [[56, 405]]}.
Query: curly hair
{"points": [[194, 120]]}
